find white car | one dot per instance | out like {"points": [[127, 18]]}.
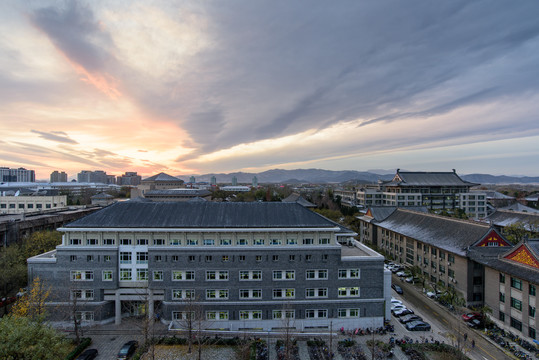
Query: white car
{"points": [[395, 301], [431, 294], [400, 274]]}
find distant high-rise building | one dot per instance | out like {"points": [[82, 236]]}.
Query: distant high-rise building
{"points": [[234, 181], [213, 181], [111, 179], [58, 176], [192, 180], [129, 178], [17, 175], [97, 176], [255, 181]]}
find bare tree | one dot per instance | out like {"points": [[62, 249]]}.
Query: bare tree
{"points": [[192, 319]]}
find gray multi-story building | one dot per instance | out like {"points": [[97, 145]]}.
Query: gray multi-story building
{"points": [[248, 265], [17, 175], [57, 176], [97, 176]]}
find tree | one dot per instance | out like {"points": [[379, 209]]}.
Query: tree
{"points": [[515, 232], [33, 304], [22, 338], [13, 271], [193, 321], [39, 242]]}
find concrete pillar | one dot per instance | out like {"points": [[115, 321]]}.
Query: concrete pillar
{"points": [[117, 309], [150, 304]]}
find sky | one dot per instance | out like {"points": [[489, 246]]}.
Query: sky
{"points": [[195, 87]]}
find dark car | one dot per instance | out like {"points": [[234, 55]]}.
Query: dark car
{"points": [[418, 326], [127, 350], [88, 354], [397, 288], [409, 318]]}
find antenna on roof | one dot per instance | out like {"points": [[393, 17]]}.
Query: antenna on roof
{"points": [[455, 171]]}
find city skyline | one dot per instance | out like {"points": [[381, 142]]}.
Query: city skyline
{"points": [[194, 88]]}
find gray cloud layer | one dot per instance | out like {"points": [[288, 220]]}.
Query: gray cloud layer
{"points": [[284, 67]]}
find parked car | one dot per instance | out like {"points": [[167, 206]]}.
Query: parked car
{"points": [[403, 312], [397, 308], [431, 294], [127, 350], [88, 354], [471, 316], [397, 288], [418, 326], [409, 318], [474, 323], [395, 301], [409, 279]]}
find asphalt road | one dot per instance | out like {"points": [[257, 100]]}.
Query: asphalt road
{"points": [[450, 323]]}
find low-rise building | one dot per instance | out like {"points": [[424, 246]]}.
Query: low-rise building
{"points": [[29, 204]]}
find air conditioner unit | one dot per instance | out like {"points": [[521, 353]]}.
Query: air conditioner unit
{"points": [[434, 271], [448, 263]]}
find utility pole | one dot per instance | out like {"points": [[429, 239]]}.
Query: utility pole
{"points": [[331, 340]]}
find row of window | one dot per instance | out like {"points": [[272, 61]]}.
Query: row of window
{"points": [[143, 258], [204, 242], [517, 324], [213, 275], [221, 315], [517, 284], [28, 206], [223, 294]]}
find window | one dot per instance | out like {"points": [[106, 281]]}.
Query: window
{"points": [[308, 257], [183, 275], [214, 275], [142, 257], [241, 242], [323, 241], [531, 333], [325, 257], [284, 275], [159, 242], [191, 258], [316, 293], [175, 242], [38, 206], [209, 258], [258, 242], [73, 258], [125, 241], [217, 294], [47, 206], [84, 315], [516, 304], [175, 258], [250, 314], [284, 293], [246, 275], [275, 258], [283, 314], [216, 315], [75, 241], [316, 314], [316, 274], [516, 283], [89, 258], [450, 258], [125, 258], [308, 241], [107, 258], [348, 313], [258, 258], [209, 242], [181, 294], [516, 324], [91, 241], [250, 293], [451, 273], [158, 275], [531, 311], [82, 275], [224, 258], [276, 242], [87, 294], [183, 315], [21, 206], [349, 291], [349, 274], [142, 241], [501, 316], [502, 297], [125, 275], [532, 290], [241, 257], [291, 241], [192, 242], [142, 274], [225, 242], [291, 257], [107, 275]]}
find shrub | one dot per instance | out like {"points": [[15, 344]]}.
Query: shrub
{"points": [[85, 342]]}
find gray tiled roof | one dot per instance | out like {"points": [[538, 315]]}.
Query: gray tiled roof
{"points": [[137, 214], [450, 234], [519, 207], [297, 198], [504, 218], [419, 178], [172, 192], [163, 177]]}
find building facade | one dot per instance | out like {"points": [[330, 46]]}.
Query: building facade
{"points": [[130, 178], [57, 176], [29, 204], [97, 176], [17, 175], [248, 265]]}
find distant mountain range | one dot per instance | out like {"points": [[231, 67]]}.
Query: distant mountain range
{"points": [[320, 176]]}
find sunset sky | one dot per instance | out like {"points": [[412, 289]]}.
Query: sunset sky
{"points": [[192, 87]]}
